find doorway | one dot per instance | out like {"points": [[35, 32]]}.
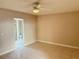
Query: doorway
{"points": [[19, 33]]}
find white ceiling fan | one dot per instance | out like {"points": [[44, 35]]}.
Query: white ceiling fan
{"points": [[36, 7]]}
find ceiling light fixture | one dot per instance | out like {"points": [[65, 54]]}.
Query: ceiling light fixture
{"points": [[36, 7], [36, 10]]}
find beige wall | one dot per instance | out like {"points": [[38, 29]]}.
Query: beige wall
{"points": [[8, 28], [59, 28]]}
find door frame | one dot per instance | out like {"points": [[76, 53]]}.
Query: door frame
{"points": [[19, 19]]}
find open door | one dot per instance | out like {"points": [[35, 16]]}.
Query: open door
{"points": [[19, 33]]}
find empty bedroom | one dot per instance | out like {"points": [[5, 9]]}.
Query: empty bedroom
{"points": [[39, 29]]}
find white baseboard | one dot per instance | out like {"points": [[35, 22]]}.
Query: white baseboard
{"points": [[59, 44], [7, 52], [30, 43], [15, 48]]}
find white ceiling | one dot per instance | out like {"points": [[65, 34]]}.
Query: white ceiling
{"points": [[47, 6]]}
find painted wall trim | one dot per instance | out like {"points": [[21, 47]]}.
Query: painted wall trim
{"points": [[30, 43], [15, 48], [59, 44], [7, 52]]}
